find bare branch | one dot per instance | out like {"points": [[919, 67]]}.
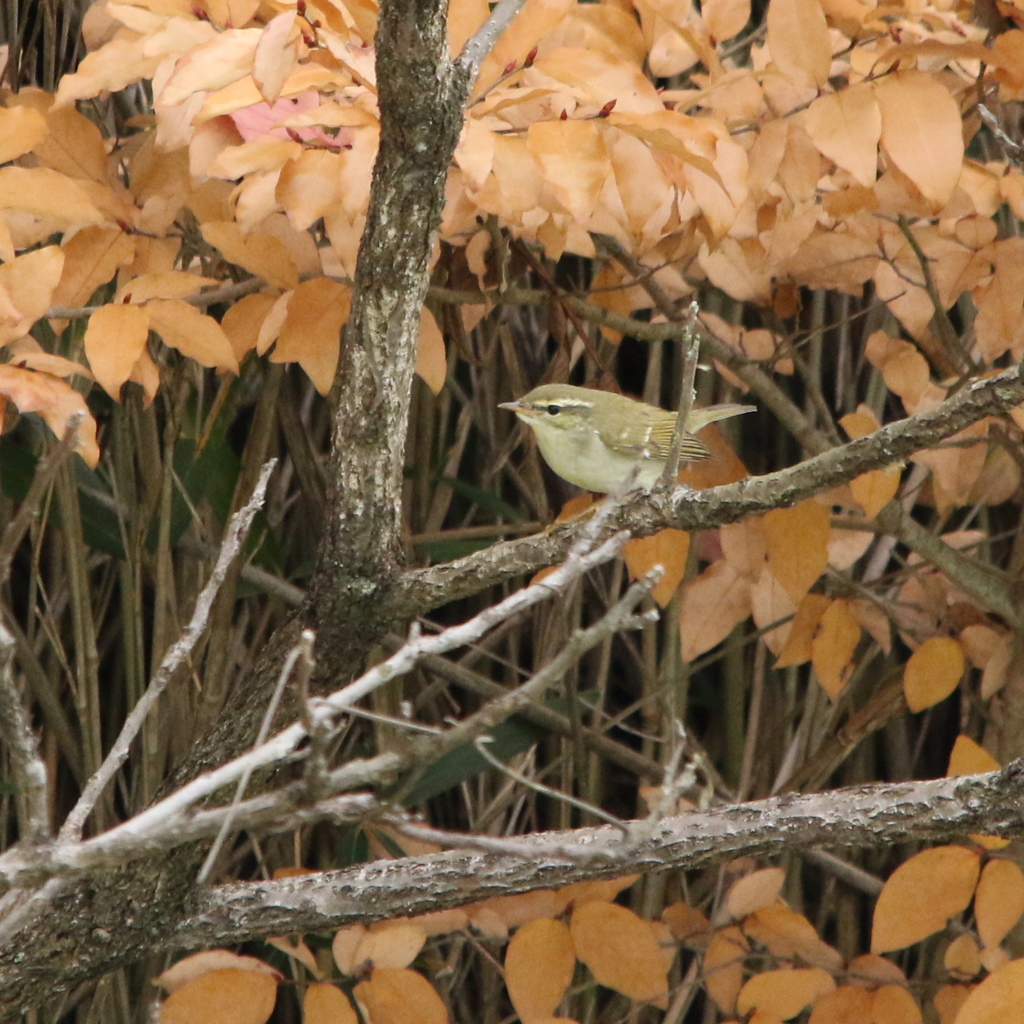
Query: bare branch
{"points": [[234, 539]]}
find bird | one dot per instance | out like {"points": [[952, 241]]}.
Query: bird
{"points": [[595, 439]]}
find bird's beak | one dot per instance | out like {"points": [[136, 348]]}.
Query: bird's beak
{"points": [[516, 407]]}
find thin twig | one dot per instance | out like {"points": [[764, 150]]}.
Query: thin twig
{"points": [[302, 652], [474, 52], [238, 530], [691, 356]]}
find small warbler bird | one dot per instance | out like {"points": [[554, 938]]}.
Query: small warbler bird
{"points": [[594, 439]]}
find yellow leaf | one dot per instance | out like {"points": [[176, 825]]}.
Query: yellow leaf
{"points": [[229, 996], [933, 672], [712, 604], [620, 950], [848, 1004], [999, 901], [962, 957], [798, 39], [798, 545], [325, 1003], [115, 337], [192, 333], [997, 999], [784, 993], [921, 895], [833, 647], [311, 332], [846, 126], [539, 966], [399, 996], [431, 358], [667, 548], [21, 129], [921, 132]]}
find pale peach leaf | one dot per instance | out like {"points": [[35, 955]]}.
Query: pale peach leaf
{"points": [[275, 55], [724, 18], [711, 606], [311, 332], [29, 282], [114, 339], [48, 195], [755, 891], [191, 967], [192, 333], [21, 130], [846, 126], [211, 66], [573, 161], [396, 945], [259, 252], [921, 132], [922, 894], [431, 356], [798, 39], [91, 258], [344, 945]]}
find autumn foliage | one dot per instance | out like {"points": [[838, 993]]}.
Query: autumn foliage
{"points": [[817, 171]]}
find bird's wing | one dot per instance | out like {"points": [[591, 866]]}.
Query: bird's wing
{"points": [[653, 440]]}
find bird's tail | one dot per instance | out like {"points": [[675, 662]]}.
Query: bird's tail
{"points": [[699, 418]]}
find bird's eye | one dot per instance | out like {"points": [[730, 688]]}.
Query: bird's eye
{"points": [[554, 410]]}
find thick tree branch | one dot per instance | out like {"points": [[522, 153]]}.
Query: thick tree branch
{"points": [[940, 810]]}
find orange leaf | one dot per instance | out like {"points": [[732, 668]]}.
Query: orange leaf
{"points": [[846, 126], [667, 548], [723, 967], [933, 672], [997, 999], [55, 401], [787, 934], [192, 333], [948, 1001], [799, 647], [833, 647], [848, 1004], [115, 337], [228, 996], [745, 546], [921, 132], [922, 894], [784, 993], [327, 1004], [620, 950], [344, 945], [798, 546], [431, 358], [968, 758], [539, 965], [589, 892], [798, 39], [192, 967], [893, 1004], [962, 957], [712, 604], [999, 901], [875, 489], [399, 996]]}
